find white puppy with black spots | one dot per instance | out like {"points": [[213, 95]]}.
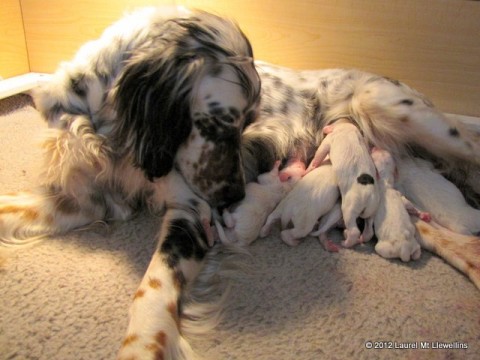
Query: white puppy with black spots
{"points": [[355, 174], [393, 226]]}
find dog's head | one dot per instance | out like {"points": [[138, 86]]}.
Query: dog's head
{"points": [[183, 101]]}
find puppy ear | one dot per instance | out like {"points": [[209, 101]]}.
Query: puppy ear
{"points": [[152, 99]]}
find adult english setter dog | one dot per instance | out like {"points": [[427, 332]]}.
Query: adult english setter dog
{"points": [[165, 111]]}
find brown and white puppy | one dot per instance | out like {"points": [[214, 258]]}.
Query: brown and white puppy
{"points": [[355, 173]]}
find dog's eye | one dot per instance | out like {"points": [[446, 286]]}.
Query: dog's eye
{"points": [[229, 115]]}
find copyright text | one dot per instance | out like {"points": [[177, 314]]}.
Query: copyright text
{"points": [[416, 345]]}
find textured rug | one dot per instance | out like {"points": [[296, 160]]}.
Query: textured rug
{"points": [[68, 296]]}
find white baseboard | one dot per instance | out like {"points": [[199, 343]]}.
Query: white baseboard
{"points": [[21, 83]]}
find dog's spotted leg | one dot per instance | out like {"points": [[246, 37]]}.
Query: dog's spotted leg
{"points": [[26, 217], [392, 114], [71, 194], [154, 330], [65, 200], [460, 251]]}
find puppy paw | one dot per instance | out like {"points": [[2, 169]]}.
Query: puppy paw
{"points": [[265, 230], [352, 238], [403, 249], [288, 238], [228, 219], [328, 244], [425, 216]]}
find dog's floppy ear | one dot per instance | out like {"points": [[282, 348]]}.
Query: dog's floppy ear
{"points": [[152, 100]]}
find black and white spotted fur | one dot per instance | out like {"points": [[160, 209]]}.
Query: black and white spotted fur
{"points": [[296, 105], [151, 115]]}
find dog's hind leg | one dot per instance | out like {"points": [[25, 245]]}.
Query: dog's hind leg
{"points": [[460, 251], [29, 216], [69, 196], [392, 115]]}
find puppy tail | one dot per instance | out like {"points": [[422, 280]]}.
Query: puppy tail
{"points": [[460, 251]]}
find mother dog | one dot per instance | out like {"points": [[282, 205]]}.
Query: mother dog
{"points": [[151, 115]]}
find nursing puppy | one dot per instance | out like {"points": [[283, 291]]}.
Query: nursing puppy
{"points": [[330, 220], [393, 227], [246, 219], [312, 197], [355, 173], [433, 193]]}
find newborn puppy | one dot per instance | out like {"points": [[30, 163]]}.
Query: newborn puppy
{"points": [[244, 222], [330, 220], [355, 172], [312, 197], [430, 191], [393, 227]]}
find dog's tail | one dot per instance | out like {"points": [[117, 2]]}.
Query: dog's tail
{"points": [[460, 251]]}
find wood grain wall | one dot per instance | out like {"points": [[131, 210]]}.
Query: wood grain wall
{"points": [[434, 45], [13, 50]]}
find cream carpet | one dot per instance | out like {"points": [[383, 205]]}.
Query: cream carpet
{"points": [[68, 297]]}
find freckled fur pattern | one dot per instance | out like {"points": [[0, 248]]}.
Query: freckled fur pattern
{"points": [[296, 105], [150, 115]]}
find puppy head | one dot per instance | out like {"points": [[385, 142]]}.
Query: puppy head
{"points": [[183, 100]]}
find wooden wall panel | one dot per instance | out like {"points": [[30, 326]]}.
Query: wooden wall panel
{"points": [[55, 29], [13, 51], [434, 45]]}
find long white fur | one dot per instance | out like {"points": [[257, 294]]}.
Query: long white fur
{"points": [[80, 158], [91, 175]]}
